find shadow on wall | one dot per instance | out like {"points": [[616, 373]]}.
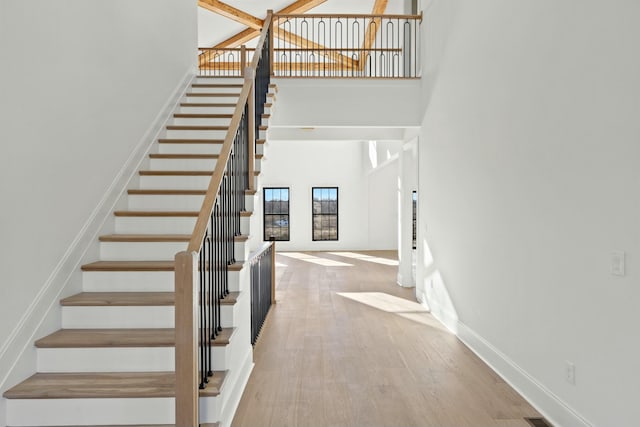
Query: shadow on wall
{"points": [[432, 292]]}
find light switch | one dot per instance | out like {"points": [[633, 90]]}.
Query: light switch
{"points": [[617, 263]]}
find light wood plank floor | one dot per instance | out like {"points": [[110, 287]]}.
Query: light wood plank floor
{"points": [[346, 346]]}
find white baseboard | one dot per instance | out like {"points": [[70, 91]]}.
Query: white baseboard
{"points": [[229, 410], [546, 402], [43, 312]]}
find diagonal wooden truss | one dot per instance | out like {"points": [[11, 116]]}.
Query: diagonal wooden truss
{"points": [[254, 25]]}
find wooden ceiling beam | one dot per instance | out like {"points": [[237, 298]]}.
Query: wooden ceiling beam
{"points": [[231, 12], [296, 40], [299, 6]]}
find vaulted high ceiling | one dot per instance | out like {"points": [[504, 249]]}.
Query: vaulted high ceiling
{"points": [[231, 23]]}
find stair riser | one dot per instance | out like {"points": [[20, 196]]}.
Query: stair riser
{"points": [[227, 99], [155, 225], [51, 412], [165, 202], [162, 225], [190, 121], [128, 281], [140, 251], [130, 317], [219, 80], [145, 251], [232, 90], [174, 182], [196, 134], [182, 164], [147, 359], [208, 109], [143, 281], [190, 148]]}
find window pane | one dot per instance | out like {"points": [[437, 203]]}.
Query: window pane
{"points": [[325, 213], [276, 213]]}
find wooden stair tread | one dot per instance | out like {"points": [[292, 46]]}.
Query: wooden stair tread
{"points": [[119, 299], [218, 85], [142, 266], [145, 238], [103, 338], [130, 425], [167, 213], [141, 238], [207, 104], [196, 127], [190, 141], [156, 214], [160, 192], [179, 173], [202, 116], [104, 385], [183, 156], [213, 95], [174, 173], [131, 299], [130, 266]]}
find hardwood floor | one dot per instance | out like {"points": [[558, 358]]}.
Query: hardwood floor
{"points": [[346, 346]]}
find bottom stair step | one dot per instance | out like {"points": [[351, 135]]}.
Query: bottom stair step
{"points": [[105, 385], [136, 425]]}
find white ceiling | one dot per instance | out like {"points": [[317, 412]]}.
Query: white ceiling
{"points": [[213, 28]]}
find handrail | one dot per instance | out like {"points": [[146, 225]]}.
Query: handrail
{"points": [[202, 271], [216, 178], [339, 15]]}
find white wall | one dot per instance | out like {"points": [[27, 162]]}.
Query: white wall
{"points": [[528, 173], [80, 82], [366, 197]]}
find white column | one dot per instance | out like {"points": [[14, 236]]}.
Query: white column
{"points": [[407, 183]]}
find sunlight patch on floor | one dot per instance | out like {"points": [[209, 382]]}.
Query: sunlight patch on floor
{"points": [[279, 264], [385, 302], [410, 310], [314, 259], [368, 258]]}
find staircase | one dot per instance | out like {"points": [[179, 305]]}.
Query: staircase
{"points": [[112, 363]]}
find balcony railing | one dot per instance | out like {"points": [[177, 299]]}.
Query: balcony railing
{"points": [[360, 46]]}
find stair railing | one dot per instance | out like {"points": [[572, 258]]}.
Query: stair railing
{"points": [[361, 46], [263, 282], [202, 271]]}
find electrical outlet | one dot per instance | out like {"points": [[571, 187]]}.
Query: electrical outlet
{"points": [[570, 373]]}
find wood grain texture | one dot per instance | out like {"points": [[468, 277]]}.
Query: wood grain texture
{"points": [[331, 354], [119, 299], [141, 266], [96, 338], [145, 238], [129, 266], [104, 385], [232, 13], [182, 156], [156, 213], [190, 140]]}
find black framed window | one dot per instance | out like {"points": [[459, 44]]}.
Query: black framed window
{"points": [[414, 202], [276, 213], [325, 213]]}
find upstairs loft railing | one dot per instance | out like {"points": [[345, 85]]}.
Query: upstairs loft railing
{"points": [[360, 46], [202, 271]]}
